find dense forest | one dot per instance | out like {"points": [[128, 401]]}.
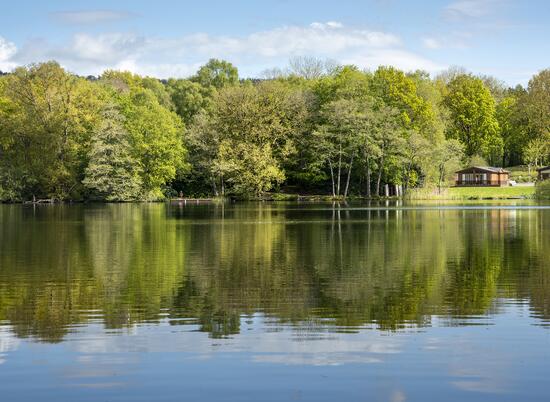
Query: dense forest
{"points": [[314, 127]]}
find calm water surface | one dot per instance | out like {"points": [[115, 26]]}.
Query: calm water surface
{"points": [[274, 302]]}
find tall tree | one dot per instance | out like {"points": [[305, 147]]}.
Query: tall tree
{"points": [[433, 128], [112, 172], [444, 160], [538, 102], [250, 169], [473, 117], [189, 98], [513, 125], [156, 133], [537, 151], [217, 73], [416, 158], [338, 139], [399, 91], [160, 90], [536, 106], [47, 118], [263, 119], [389, 136], [346, 82]]}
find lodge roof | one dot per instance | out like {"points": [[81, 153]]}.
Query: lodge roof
{"points": [[483, 169]]}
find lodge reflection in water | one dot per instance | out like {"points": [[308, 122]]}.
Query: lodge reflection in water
{"points": [[210, 265]]}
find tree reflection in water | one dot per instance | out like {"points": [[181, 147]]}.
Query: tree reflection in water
{"points": [[309, 266]]}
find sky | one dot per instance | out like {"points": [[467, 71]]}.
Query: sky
{"points": [[508, 39]]}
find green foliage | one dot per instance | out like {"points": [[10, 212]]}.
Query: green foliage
{"points": [[157, 136], [389, 139], [112, 172], [473, 117], [132, 264], [189, 98], [250, 169], [435, 123], [416, 159], [47, 117], [316, 127], [445, 159], [217, 73], [399, 91], [156, 133], [513, 127], [337, 140], [262, 120], [537, 104], [522, 174], [542, 191], [537, 151], [476, 160], [161, 92], [347, 82]]}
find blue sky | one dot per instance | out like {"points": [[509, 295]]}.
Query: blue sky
{"points": [[505, 38]]}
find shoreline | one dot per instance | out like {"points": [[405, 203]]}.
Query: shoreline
{"points": [[420, 194]]}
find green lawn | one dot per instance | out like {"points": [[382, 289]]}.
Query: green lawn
{"points": [[490, 192], [473, 193]]}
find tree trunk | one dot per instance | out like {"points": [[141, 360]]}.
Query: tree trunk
{"points": [[339, 170], [407, 178], [368, 177], [349, 176], [368, 181], [379, 177], [214, 187], [332, 177], [440, 179]]}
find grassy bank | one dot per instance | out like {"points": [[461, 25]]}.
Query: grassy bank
{"points": [[474, 193], [452, 193]]}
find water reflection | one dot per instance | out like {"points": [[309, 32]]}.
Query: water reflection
{"points": [[274, 302], [310, 267]]}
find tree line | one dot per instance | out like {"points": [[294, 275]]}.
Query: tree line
{"points": [[314, 127]]}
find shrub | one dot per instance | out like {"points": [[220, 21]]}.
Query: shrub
{"points": [[542, 191]]}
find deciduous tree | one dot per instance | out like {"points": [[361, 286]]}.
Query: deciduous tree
{"points": [[113, 173], [473, 117]]}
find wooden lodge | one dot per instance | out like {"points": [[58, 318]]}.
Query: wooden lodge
{"points": [[480, 176], [544, 173]]}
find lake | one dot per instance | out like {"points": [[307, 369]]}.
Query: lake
{"points": [[275, 302]]}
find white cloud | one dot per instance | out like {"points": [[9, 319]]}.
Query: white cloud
{"points": [[284, 346], [400, 58], [108, 48], [316, 359], [90, 16], [468, 22], [470, 9], [398, 396], [164, 57], [452, 40], [8, 343], [7, 51], [431, 43]]}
